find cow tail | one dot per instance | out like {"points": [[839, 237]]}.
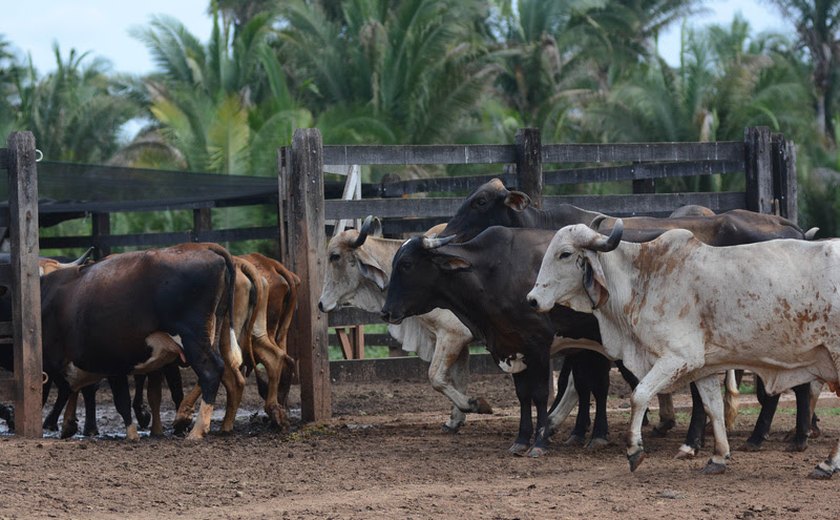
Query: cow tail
{"points": [[230, 279], [293, 281], [257, 295], [731, 400]]}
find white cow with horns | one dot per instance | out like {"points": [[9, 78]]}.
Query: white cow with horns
{"points": [[676, 311]]}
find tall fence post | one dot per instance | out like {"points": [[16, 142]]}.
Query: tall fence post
{"points": [[307, 244], [202, 221], [100, 227], [26, 285], [529, 163], [758, 168], [784, 176]]}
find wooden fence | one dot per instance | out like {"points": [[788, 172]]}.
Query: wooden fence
{"points": [[766, 160], [20, 276]]}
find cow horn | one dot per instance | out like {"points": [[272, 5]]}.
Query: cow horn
{"points": [[606, 245], [434, 243], [371, 225], [77, 262], [596, 222]]}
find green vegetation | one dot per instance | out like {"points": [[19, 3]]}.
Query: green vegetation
{"points": [[436, 71]]}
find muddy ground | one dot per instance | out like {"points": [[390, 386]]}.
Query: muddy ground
{"points": [[383, 455]]}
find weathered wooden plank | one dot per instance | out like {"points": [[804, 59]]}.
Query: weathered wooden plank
{"points": [[759, 166], [347, 316], [163, 239], [443, 207], [409, 368], [529, 164], [643, 152], [649, 204], [26, 291], [6, 275], [784, 176], [6, 328], [464, 184], [4, 158], [641, 171], [100, 229], [307, 244], [419, 154]]}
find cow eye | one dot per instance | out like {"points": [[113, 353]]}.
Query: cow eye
{"points": [[334, 257], [564, 254], [481, 201]]}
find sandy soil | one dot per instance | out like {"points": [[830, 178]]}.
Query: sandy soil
{"points": [[383, 455]]}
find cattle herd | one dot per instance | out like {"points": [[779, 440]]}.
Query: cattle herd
{"points": [[672, 302]]}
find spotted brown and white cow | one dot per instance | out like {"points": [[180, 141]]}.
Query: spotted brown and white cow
{"points": [[676, 310]]}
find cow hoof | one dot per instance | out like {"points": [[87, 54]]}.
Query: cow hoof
{"points": [[815, 432], [797, 446], [479, 405], [156, 432], [452, 430], [714, 468], [519, 449], [92, 431], [575, 440], [181, 425], [51, 426], [821, 473], [662, 429], [750, 446], [131, 433], [536, 452], [597, 443], [685, 452], [144, 417], [636, 459], [70, 429]]}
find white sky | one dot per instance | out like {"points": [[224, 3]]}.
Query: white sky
{"points": [[102, 27]]}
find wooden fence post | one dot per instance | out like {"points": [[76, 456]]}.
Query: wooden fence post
{"points": [[26, 285], [758, 168], [784, 176], [202, 221], [307, 244], [100, 227], [529, 163]]}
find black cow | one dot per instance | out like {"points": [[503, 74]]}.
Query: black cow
{"points": [[135, 313], [484, 283], [493, 204]]}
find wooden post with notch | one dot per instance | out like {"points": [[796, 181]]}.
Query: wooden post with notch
{"points": [[784, 176], [26, 285], [100, 227], [758, 169], [202, 221], [307, 243], [529, 164]]}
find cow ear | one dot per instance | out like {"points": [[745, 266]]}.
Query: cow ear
{"points": [[517, 200], [371, 269], [594, 281], [452, 263]]}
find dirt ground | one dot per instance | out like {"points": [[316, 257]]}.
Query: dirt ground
{"points": [[383, 455]]}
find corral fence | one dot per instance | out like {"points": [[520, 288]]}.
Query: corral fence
{"points": [[765, 159], [304, 217]]}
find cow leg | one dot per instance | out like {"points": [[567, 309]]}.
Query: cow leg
{"points": [[208, 367], [666, 422], [667, 415], [183, 418], [449, 374], [583, 384], [539, 397], [122, 401], [709, 389], [234, 383], [600, 389], [696, 427], [663, 374], [761, 431], [70, 424], [202, 425], [273, 359], [526, 427], [62, 393], [816, 389], [172, 373], [89, 395], [799, 439], [153, 390], [141, 411]]}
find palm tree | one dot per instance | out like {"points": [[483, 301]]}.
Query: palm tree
{"points": [[817, 23], [384, 71]]}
